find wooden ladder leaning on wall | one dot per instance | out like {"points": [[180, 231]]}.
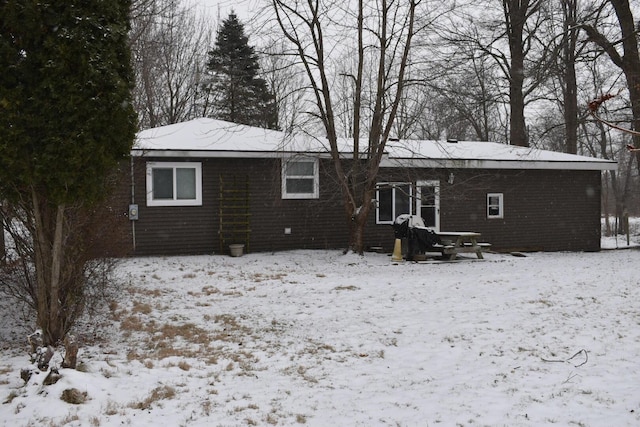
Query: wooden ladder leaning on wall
{"points": [[234, 225]]}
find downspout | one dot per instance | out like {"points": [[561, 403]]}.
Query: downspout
{"points": [[133, 202]]}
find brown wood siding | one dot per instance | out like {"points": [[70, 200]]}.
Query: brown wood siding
{"points": [[543, 210], [546, 210], [314, 223], [170, 230]]}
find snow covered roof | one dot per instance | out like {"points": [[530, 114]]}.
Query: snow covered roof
{"points": [[215, 138], [486, 155]]}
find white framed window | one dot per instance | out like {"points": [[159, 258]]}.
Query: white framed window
{"points": [[174, 184], [300, 178], [392, 199], [495, 205]]}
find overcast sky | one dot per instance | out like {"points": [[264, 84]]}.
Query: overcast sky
{"points": [[245, 9]]}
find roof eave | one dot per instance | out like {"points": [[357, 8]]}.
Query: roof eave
{"points": [[200, 154], [594, 164]]}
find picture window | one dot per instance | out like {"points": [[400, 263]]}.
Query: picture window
{"points": [[392, 200]]}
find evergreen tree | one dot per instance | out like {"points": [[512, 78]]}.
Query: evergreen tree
{"points": [[238, 94], [66, 121]]}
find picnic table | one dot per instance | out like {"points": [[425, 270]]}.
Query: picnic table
{"points": [[457, 242]]}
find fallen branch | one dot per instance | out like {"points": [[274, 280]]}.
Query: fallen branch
{"points": [[583, 351], [569, 378], [593, 109]]}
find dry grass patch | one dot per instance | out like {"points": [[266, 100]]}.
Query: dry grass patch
{"points": [[74, 396], [113, 306], [132, 355], [260, 277], [136, 290], [541, 301], [111, 408], [232, 329], [187, 331], [70, 418], [139, 307], [346, 288], [132, 324], [165, 349], [232, 293], [163, 392]]}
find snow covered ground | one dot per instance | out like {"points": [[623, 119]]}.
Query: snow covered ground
{"points": [[321, 339]]}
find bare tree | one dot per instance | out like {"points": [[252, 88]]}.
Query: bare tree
{"points": [[169, 44], [383, 33], [568, 69], [516, 14], [560, 115], [286, 80], [508, 33], [628, 60]]}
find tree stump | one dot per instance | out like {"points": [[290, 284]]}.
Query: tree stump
{"points": [[70, 352]]}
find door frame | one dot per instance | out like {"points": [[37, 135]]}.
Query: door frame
{"points": [[436, 185]]}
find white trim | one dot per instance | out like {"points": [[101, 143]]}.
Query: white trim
{"points": [[316, 178], [391, 162], [436, 185], [210, 154], [498, 164], [500, 197], [197, 166]]}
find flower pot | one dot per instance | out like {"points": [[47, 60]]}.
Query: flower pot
{"points": [[236, 250]]}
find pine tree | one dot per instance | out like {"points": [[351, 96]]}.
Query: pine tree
{"points": [[66, 121], [239, 95]]}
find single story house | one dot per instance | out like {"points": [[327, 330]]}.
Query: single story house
{"points": [[198, 186]]}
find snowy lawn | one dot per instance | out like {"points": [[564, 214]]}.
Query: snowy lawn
{"points": [[321, 339]]}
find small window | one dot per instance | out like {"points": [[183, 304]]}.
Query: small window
{"points": [[300, 179], [392, 200], [174, 184], [495, 208]]}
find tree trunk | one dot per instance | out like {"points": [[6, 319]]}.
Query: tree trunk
{"points": [[358, 222], [3, 245], [47, 241], [515, 17], [570, 94], [630, 63]]}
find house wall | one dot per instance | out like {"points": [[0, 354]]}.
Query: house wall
{"points": [[546, 210], [314, 224], [543, 210]]}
